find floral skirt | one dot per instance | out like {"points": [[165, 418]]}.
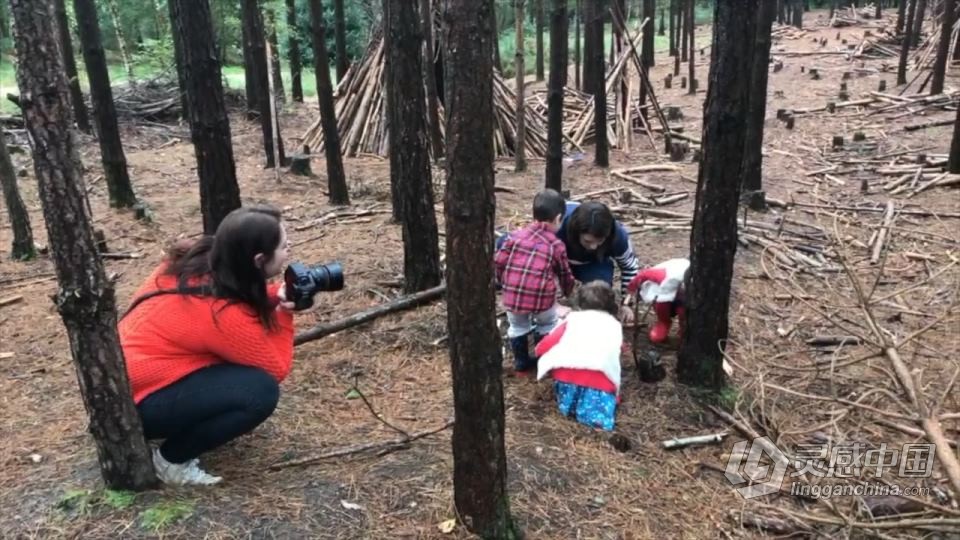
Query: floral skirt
{"points": [[590, 407]]}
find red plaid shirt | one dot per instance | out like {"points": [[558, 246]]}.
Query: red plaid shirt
{"points": [[528, 264]]}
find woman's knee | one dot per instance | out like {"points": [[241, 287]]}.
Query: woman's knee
{"points": [[261, 391]]}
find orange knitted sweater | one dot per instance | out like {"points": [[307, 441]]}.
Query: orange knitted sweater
{"points": [[170, 336]]}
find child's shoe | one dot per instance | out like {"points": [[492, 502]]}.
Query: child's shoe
{"points": [[661, 329], [523, 364]]}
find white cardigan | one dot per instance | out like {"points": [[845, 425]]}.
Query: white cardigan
{"points": [[591, 340]]}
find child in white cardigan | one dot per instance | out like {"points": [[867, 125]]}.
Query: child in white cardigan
{"points": [[582, 355]]}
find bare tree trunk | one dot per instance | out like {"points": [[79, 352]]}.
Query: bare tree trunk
{"points": [[685, 10], [649, 12], [22, 248], [249, 72], [918, 22], [253, 25], [277, 70], [901, 15], [539, 15], [409, 151], [577, 18], [70, 65], [673, 27], [954, 163], [797, 10], [122, 41], [713, 240], [602, 153], [430, 80], [752, 172], [497, 63], [520, 152], [556, 85], [879, 12], [589, 42], [782, 11], [178, 59], [943, 49], [340, 38], [479, 454], [85, 299], [293, 52], [105, 115], [336, 177], [209, 123], [907, 40], [692, 56]]}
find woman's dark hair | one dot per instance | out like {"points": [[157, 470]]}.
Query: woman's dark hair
{"points": [[224, 262], [595, 219], [597, 295]]}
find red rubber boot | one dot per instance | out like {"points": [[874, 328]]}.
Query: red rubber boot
{"points": [[661, 329]]}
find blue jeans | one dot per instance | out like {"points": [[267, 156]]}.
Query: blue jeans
{"points": [[207, 409], [522, 324]]}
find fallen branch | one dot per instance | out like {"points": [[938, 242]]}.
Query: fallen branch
{"points": [[381, 447], [400, 304], [683, 442]]}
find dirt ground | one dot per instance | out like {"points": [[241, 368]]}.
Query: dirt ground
{"points": [[564, 481]]}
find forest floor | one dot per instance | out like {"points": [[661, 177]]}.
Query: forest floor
{"points": [[564, 480]]}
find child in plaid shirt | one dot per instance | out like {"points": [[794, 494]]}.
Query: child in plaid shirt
{"points": [[529, 263]]}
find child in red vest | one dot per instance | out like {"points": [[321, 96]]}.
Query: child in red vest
{"points": [[582, 355], [663, 286]]}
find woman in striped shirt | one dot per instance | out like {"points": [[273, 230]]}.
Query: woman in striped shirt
{"points": [[596, 242]]}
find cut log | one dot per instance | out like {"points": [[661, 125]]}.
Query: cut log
{"points": [[300, 165], [400, 304], [678, 150]]}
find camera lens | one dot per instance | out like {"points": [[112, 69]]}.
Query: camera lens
{"points": [[328, 277]]}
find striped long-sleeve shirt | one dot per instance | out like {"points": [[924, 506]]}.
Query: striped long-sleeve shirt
{"points": [[618, 248]]}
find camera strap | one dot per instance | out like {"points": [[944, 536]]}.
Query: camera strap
{"points": [[192, 291]]}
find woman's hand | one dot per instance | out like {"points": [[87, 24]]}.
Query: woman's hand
{"points": [[626, 315], [287, 305]]}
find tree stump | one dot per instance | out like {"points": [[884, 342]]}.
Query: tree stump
{"points": [[777, 66], [781, 114], [789, 120], [668, 81], [882, 87], [678, 150], [864, 185], [803, 69], [673, 113], [843, 41], [921, 158], [831, 107], [859, 136], [697, 155], [693, 85], [838, 141], [846, 76], [300, 165], [843, 95], [683, 82], [838, 35], [815, 74]]}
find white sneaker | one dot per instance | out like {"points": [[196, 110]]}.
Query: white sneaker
{"points": [[182, 474]]}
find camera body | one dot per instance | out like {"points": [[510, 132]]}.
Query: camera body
{"points": [[302, 282]]}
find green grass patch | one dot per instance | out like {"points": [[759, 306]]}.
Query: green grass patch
{"points": [[85, 501], [165, 513]]}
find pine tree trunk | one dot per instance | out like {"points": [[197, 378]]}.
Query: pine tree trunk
{"points": [[684, 48], [692, 55], [954, 162], [673, 28], [497, 62], [649, 12], [479, 453], [557, 83], [85, 298], [540, 24], [907, 40], [104, 113], [409, 150], [752, 173], [178, 59], [253, 25], [340, 38], [430, 80], [249, 73], [22, 248], [797, 9], [918, 22], [602, 155], [70, 65], [589, 55], [943, 49], [336, 178], [520, 152], [121, 41], [293, 52], [277, 70], [209, 123], [956, 48], [879, 12], [834, 5], [901, 15], [782, 11], [713, 239], [577, 18], [662, 29]]}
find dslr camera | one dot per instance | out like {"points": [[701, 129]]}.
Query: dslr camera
{"points": [[302, 282]]}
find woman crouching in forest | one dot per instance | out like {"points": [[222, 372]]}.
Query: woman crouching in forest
{"points": [[207, 341]]}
